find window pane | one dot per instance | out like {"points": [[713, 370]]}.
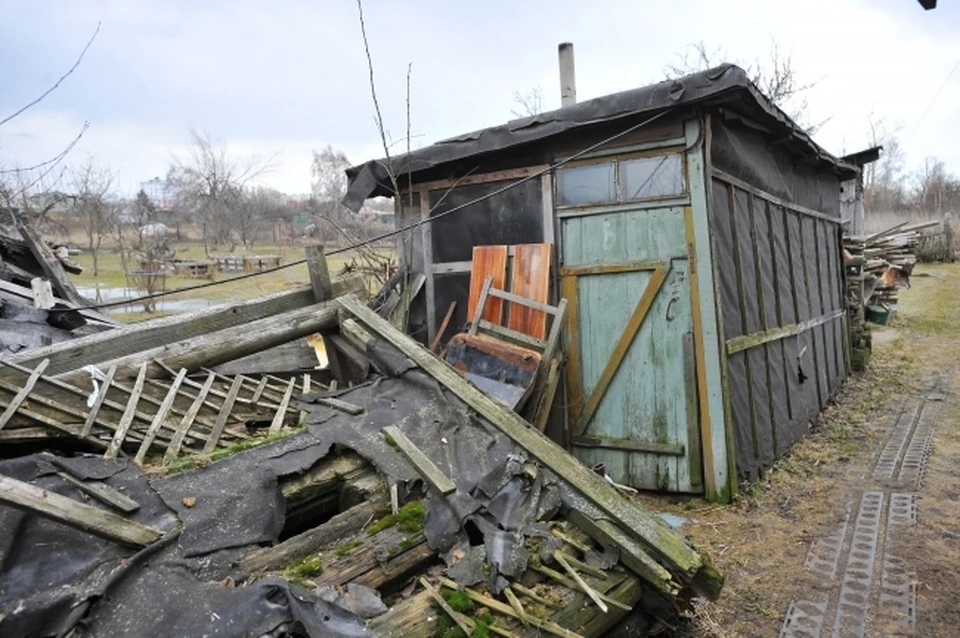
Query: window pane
{"points": [[586, 185], [650, 177]]}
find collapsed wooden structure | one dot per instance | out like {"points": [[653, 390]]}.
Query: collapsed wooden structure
{"points": [[284, 476]]}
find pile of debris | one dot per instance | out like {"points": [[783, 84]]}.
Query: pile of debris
{"points": [[148, 488], [38, 303]]}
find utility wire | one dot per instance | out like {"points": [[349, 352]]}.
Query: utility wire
{"points": [[929, 106], [388, 234]]}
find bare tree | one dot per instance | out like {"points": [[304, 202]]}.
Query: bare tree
{"points": [[529, 103], [257, 206], [91, 184], [210, 182], [776, 77], [884, 180]]}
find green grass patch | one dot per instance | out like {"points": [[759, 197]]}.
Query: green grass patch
{"points": [[409, 519], [307, 567], [458, 601]]}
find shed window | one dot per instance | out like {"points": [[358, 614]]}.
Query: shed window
{"points": [[621, 180], [649, 177], [592, 184]]}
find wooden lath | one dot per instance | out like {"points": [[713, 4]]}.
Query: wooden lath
{"points": [[144, 415]]}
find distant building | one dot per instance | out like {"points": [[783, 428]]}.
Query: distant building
{"points": [[161, 193]]}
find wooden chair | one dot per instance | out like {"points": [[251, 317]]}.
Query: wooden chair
{"points": [[546, 348]]}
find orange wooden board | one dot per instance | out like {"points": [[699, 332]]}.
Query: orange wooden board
{"points": [[530, 279], [487, 261]]}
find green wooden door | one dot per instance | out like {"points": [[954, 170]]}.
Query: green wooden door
{"points": [[631, 364]]}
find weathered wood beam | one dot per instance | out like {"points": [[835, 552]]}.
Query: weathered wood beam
{"points": [[420, 461], [94, 520], [210, 349], [337, 528], [629, 516], [127, 340], [51, 266]]}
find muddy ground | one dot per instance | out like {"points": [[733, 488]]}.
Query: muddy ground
{"points": [[857, 531]]}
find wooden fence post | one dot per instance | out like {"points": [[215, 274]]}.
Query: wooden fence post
{"points": [[323, 291]]}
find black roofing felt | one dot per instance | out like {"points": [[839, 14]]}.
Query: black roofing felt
{"points": [[725, 81]]}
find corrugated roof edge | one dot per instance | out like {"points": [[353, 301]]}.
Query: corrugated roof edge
{"points": [[372, 179]]}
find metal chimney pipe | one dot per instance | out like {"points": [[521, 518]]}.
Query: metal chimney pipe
{"points": [[568, 75]]}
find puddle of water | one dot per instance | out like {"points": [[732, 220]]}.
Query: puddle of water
{"points": [[108, 295]]}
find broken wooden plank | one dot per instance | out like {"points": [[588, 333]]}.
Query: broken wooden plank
{"points": [[340, 526], [98, 402], [507, 610], [427, 468], [127, 340], [339, 404], [103, 493], [221, 421], [631, 553], [87, 518], [630, 516], [282, 410], [435, 344], [127, 417], [534, 596], [355, 334], [211, 349], [516, 604], [547, 395], [582, 584], [572, 584], [174, 448], [159, 417], [23, 393], [51, 266]]}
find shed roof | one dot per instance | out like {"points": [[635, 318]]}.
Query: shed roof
{"points": [[726, 84]]}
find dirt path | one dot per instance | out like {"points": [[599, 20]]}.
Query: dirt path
{"points": [[857, 531]]}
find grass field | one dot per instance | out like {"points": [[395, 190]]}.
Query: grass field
{"points": [[112, 277]]}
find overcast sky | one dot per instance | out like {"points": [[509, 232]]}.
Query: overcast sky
{"points": [[288, 77]]}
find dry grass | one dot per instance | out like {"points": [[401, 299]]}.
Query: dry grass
{"points": [[761, 540]]}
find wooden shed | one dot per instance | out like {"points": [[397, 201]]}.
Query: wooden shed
{"points": [[697, 241]]}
